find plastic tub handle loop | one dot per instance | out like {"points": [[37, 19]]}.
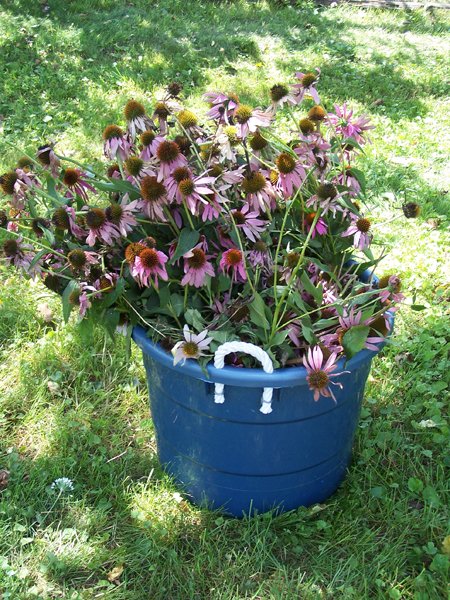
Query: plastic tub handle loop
{"points": [[259, 354]]}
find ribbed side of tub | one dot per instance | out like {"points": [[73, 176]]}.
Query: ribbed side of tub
{"points": [[232, 457]]}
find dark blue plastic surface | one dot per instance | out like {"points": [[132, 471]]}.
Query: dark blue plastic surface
{"points": [[233, 457]]}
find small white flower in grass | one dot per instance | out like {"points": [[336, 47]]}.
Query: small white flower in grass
{"points": [[62, 485], [192, 346]]}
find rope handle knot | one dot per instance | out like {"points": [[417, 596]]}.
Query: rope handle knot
{"points": [[258, 353]]}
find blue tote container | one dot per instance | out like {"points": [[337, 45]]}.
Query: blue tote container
{"points": [[232, 457]]}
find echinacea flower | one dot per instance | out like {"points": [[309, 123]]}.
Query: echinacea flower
{"points": [[249, 222], [170, 158], [196, 267], [222, 106], [21, 255], [79, 297], [75, 180], [280, 95], [64, 219], [320, 373], [259, 191], [249, 119], [348, 320], [291, 173], [100, 228], [260, 255], [390, 286], [154, 198], [137, 120], [16, 184], [233, 260], [360, 230], [306, 86], [81, 260], [116, 144], [48, 159], [320, 228], [325, 198], [193, 346], [190, 190], [150, 265], [345, 125], [122, 215]]}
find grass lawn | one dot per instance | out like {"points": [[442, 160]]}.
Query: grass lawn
{"points": [[74, 409]]}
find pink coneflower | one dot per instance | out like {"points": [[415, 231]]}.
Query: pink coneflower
{"points": [[248, 120], [173, 180], [137, 120], [136, 169], [348, 320], [360, 230], [148, 265], [192, 346], [319, 373], [222, 106], [291, 173], [307, 85], [212, 210], [390, 287], [325, 198], [249, 222], [75, 180], [280, 95], [189, 191], [196, 267], [234, 260], [320, 228], [170, 158], [21, 255], [122, 215], [349, 180], [79, 297], [116, 144], [260, 255], [16, 184], [81, 260], [106, 283], [48, 159], [150, 142], [64, 219], [154, 198], [100, 228], [343, 124], [259, 191]]}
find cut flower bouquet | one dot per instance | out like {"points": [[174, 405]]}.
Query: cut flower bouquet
{"points": [[215, 229]]}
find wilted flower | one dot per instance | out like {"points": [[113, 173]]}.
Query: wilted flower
{"points": [[320, 373], [192, 346], [233, 260], [116, 144], [345, 125]]}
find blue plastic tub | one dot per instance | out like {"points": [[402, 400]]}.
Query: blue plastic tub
{"points": [[231, 456]]}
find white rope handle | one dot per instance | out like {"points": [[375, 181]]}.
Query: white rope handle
{"points": [[259, 354]]}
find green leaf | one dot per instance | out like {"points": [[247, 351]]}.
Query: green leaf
{"points": [[117, 185], [316, 292], [66, 305], [431, 497], [193, 317], [38, 256], [110, 321], [187, 240], [308, 334], [415, 485], [418, 307], [177, 302], [354, 339], [110, 297], [258, 311]]}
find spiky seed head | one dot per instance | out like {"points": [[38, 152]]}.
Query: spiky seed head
{"points": [[161, 110], [114, 168], [114, 213], [254, 182], [260, 246], [152, 189], [3, 218], [112, 131], [317, 114], [318, 379], [133, 165], [71, 177], [216, 170], [174, 89], [239, 217], [257, 142], [187, 118], [234, 257], [273, 176], [95, 218], [411, 210], [292, 259], [198, 259], [363, 225], [168, 151], [133, 109], [7, 182], [61, 219], [180, 173], [38, 224], [149, 258], [278, 92], [77, 258], [308, 79], [147, 137], [133, 250], [306, 126], [230, 131], [149, 242], [285, 163], [186, 186], [243, 113], [183, 143], [44, 155], [10, 248], [52, 282], [25, 163], [327, 190], [105, 284], [309, 218]]}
